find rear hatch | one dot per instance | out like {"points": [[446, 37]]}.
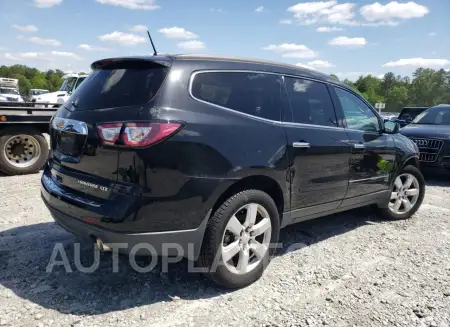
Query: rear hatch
{"points": [[117, 91]]}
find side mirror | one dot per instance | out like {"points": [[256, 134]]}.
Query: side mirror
{"points": [[391, 127]]}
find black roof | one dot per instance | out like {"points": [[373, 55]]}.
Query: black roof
{"points": [[256, 64]]}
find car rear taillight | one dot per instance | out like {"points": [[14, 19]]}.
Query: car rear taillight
{"points": [[136, 134], [109, 133]]}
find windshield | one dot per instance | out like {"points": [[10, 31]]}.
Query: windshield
{"points": [[434, 116], [9, 91], [38, 92], [68, 84], [408, 114], [80, 80], [120, 85]]}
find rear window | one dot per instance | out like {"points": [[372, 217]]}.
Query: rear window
{"points": [[118, 86], [256, 94]]}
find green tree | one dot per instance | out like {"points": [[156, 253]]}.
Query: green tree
{"points": [[397, 97], [387, 83], [428, 87], [24, 84], [39, 81], [334, 76]]}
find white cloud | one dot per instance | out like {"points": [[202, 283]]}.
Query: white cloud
{"points": [[25, 28], [217, 10], [393, 10], [308, 13], [10, 56], [308, 8], [177, 33], [354, 75], [292, 50], [418, 62], [325, 29], [348, 41], [381, 23], [66, 54], [123, 38], [260, 9], [375, 14], [304, 66], [340, 14], [41, 41], [432, 34], [30, 54], [191, 45], [44, 56], [286, 21], [316, 64], [46, 3], [320, 64], [138, 28], [92, 48], [132, 4]]}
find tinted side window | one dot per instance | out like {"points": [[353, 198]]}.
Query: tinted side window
{"points": [[357, 114], [251, 93], [310, 102]]}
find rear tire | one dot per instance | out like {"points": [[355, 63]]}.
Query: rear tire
{"points": [[38, 146], [407, 193], [231, 227]]}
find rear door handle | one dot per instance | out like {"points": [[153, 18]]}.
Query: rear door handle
{"points": [[303, 145], [359, 146]]}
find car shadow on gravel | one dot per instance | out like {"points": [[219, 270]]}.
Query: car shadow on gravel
{"points": [[434, 179], [26, 251]]}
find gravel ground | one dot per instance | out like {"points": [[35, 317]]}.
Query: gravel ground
{"points": [[356, 270]]}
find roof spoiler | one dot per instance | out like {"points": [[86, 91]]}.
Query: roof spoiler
{"points": [[132, 62]]}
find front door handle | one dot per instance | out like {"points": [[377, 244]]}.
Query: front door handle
{"points": [[359, 146], [303, 145]]}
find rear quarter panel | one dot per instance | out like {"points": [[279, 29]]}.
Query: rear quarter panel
{"points": [[184, 175]]}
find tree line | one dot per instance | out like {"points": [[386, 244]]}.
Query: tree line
{"points": [[32, 78], [427, 87]]}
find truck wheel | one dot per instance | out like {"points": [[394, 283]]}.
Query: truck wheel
{"points": [[23, 150]]}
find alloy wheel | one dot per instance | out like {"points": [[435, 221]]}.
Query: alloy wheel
{"points": [[246, 239], [405, 193]]}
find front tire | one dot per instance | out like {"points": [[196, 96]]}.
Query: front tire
{"points": [[407, 193], [237, 245], [23, 150]]}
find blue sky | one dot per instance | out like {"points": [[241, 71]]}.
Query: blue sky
{"points": [[346, 38]]}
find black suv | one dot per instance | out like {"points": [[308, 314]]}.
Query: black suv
{"points": [[430, 130], [217, 154]]}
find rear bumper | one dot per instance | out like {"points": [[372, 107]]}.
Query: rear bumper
{"points": [[186, 243]]}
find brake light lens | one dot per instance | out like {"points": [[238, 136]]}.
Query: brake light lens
{"points": [[137, 134], [109, 133]]}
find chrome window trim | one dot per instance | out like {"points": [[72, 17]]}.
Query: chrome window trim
{"points": [[291, 124], [275, 122]]}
